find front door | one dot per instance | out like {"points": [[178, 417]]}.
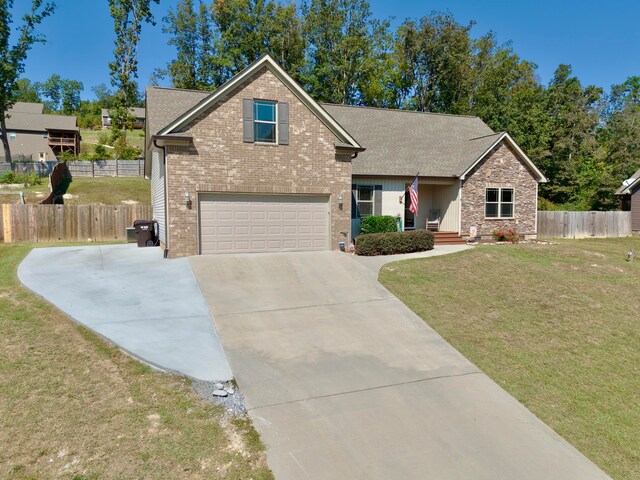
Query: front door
{"points": [[409, 217]]}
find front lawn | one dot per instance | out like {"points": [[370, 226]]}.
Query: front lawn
{"points": [[557, 326], [73, 406]]}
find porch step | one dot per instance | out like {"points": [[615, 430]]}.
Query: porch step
{"points": [[448, 238]]}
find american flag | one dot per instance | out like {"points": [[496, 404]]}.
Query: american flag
{"points": [[413, 196]]}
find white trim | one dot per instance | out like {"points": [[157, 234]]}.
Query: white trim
{"points": [[535, 224], [527, 160], [274, 123], [460, 207], [247, 73]]}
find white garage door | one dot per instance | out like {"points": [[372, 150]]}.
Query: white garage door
{"points": [[264, 223]]}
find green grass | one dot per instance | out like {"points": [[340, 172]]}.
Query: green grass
{"points": [[73, 406], [85, 191], [555, 325], [90, 139]]}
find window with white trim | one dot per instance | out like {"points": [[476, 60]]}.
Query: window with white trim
{"points": [[265, 121], [12, 136], [364, 200], [498, 202]]}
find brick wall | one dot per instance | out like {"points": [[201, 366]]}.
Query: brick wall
{"points": [[502, 168], [219, 161]]}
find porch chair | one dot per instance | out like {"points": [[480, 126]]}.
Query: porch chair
{"points": [[433, 220]]}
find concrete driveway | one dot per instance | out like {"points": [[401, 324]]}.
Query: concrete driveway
{"points": [[152, 308], [344, 382]]}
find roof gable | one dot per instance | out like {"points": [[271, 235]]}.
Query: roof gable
{"points": [[247, 74]]}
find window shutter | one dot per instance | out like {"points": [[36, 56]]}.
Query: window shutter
{"points": [[247, 120], [377, 200], [354, 205], [283, 123]]}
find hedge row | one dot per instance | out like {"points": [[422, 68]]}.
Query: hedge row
{"points": [[394, 242], [378, 224]]}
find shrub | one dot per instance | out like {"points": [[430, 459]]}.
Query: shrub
{"points": [[394, 242], [105, 138], [7, 177], [502, 234], [378, 224]]}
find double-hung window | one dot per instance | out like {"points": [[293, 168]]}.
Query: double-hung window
{"points": [[364, 200], [498, 202], [264, 121]]}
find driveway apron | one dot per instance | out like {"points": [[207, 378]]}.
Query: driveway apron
{"points": [[343, 381], [152, 308]]}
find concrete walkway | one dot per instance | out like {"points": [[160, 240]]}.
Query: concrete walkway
{"points": [[343, 381], [150, 307]]}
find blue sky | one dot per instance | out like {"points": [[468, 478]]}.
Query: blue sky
{"points": [[600, 39]]}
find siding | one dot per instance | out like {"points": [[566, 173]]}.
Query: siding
{"points": [[157, 194], [635, 210]]}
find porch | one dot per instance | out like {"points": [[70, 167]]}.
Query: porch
{"points": [[387, 196]]}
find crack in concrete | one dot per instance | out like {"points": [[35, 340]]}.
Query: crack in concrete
{"points": [[380, 387], [302, 307]]}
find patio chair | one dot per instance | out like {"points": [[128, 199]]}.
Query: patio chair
{"points": [[433, 220]]}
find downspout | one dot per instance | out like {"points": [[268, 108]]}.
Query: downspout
{"points": [[166, 197]]}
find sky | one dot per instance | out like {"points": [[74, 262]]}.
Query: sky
{"points": [[599, 38]]}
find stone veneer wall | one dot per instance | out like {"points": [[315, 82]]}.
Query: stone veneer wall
{"points": [[502, 168], [219, 161]]}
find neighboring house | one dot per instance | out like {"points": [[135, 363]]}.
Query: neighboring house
{"points": [[629, 193], [36, 136], [137, 113], [259, 166]]}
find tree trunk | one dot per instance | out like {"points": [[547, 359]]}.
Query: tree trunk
{"points": [[5, 139]]}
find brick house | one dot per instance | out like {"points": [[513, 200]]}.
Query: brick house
{"points": [[629, 194], [258, 165]]}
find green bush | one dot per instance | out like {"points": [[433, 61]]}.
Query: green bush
{"points": [[7, 177], [378, 224], [389, 243], [25, 178]]}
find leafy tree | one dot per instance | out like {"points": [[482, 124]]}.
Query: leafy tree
{"points": [[60, 95], [338, 35], [13, 56], [26, 91], [435, 56], [128, 18], [192, 34]]}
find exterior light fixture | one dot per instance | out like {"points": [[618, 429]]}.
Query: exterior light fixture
{"points": [[340, 199], [187, 198]]}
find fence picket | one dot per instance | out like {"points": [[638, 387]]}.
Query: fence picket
{"points": [[68, 223], [564, 224]]}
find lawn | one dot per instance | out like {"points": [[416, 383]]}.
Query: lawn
{"points": [[90, 139], [84, 191], [73, 406], [555, 325]]}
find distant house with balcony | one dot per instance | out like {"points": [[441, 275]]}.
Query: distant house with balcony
{"points": [[135, 112], [36, 136]]}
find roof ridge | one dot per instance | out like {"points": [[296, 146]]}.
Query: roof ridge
{"points": [[158, 87], [487, 135], [401, 110]]}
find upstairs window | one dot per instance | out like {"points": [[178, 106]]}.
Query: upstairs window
{"points": [[499, 203], [264, 121]]}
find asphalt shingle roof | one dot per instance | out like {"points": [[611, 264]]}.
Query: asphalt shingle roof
{"points": [[625, 187], [29, 117], [164, 105], [404, 143]]}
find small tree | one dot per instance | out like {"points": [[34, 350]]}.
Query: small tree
{"points": [[13, 57]]}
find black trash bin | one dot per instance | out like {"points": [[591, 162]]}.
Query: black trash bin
{"points": [[145, 233]]}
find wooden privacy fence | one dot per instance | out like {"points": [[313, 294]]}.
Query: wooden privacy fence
{"points": [[563, 224], [106, 168], [69, 223]]}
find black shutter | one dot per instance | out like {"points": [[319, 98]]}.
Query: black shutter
{"points": [[247, 120], [283, 123], [377, 200], [354, 205]]}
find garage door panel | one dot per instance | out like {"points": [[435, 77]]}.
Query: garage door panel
{"points": [[253, 223]]}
